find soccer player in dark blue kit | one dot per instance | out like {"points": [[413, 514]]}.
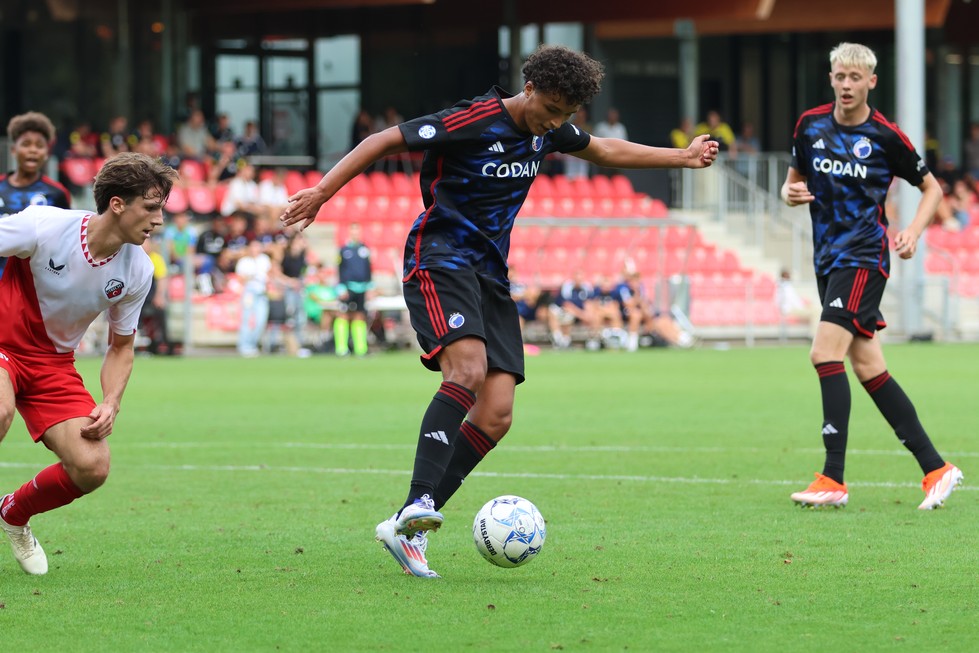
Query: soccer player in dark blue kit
{"points": [[481, 157], [844, 156], [31, 136], [354, 272]]}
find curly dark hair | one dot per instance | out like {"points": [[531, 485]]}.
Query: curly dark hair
{"points": [[576, 77], [32, 121]]}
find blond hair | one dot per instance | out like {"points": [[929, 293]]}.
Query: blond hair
{"points": [[851, 55]]}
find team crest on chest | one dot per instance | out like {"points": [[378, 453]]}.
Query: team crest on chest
{"points": [[114, 288], [536, 143], [863, 148]]}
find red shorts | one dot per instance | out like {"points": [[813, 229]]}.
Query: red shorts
{"points": [[48, 390]]}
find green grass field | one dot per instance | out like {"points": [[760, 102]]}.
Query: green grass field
{"points": [[240, 513]]}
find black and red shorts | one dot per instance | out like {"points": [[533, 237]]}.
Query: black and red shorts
{"points": [[851, 298], [445, 305]]}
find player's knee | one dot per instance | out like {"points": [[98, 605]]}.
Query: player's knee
{"points": [[90, 472], [6, 419], [470, 374]]}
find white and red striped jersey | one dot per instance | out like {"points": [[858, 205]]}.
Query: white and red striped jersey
{"points": [[52, 289]]}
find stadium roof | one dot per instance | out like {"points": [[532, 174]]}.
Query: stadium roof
{"points": [[631, 18]]}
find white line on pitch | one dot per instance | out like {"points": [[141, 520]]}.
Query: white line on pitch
{"points": [[516, 448], [530, 475]]}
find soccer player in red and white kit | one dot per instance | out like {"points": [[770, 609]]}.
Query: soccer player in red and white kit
{"points": [[65, 268]]}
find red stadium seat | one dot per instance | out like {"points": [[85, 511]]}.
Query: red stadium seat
{"points": [[403, 184], [177, 201], [200, 197], [192, 171], [79, 170], [313, 177], [295, 181]]}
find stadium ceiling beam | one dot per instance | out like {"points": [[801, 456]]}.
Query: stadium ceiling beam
{"points": [[538, 11], [784, 16]]}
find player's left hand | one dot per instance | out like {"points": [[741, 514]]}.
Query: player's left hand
{"points": [[104, 416], [905, 244], [303, 207], [702, 152]]}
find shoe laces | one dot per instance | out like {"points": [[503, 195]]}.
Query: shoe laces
{"points": [[425, 501], [23, 540], [420, 541], [826, 484]]}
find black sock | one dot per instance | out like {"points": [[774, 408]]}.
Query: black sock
{"points": [[836, 416], [471, 447], [897, 409], [439, 431]]}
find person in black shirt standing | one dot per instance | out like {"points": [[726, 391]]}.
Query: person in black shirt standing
{"points": [[481, 157], [844, 157], [354, 277]]}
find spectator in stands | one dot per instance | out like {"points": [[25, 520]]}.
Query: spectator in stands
{"points": [[222, 132], [527, 297], [116, 139], [153, 314], [319, 304], [720, 130], [612, 126], [210, 245], [681, 135], [355, 281], [250, 142], [971, 149], [193, 137], [748, 140], [269, 232], [242, 193], [390, 118], [83, 142], [362, 128], [961, 201], [948, 173], [225, 166], [253, 271], [293, 265], [179, 241], [633, 305], [570, 307], [657, 328], [793, 306], [272, 193], [31, 136], [606, 310], [171, 157], [239, 235]]}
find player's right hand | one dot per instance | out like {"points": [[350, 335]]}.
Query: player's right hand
{"points": [[798, 193]]}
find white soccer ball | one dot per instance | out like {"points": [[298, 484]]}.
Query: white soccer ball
{"points": [[509, 531]]}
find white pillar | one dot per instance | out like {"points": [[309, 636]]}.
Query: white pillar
{"points": [[910, 38]]}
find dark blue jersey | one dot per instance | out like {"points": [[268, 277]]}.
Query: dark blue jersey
{"points": [[43, 192], [476, 173], [354, 267], [849, 170]]}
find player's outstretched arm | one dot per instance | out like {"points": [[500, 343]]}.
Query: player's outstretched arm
{"points": [[304, 205], [117, 366], [618, 153], [906, 240]]}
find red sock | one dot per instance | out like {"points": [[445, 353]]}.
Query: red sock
{"points": [[50, 489]]}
